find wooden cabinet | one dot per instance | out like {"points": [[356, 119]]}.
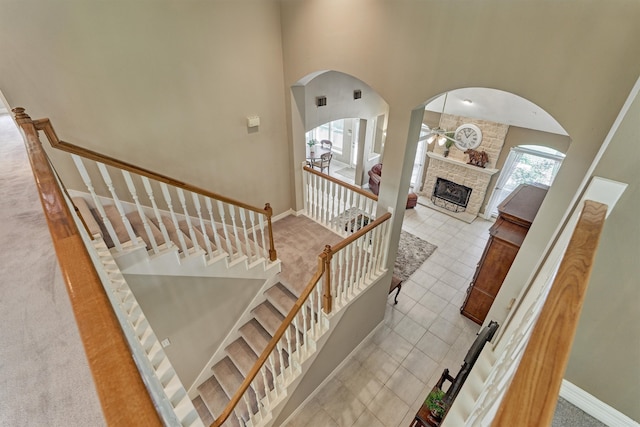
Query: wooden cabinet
{"points": [[516, 213]]}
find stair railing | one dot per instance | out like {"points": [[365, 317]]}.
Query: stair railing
{"points": [[119, 385], [238, 228], [343, 272], [335, 203]]}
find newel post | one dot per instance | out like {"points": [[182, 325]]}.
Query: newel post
{"points": [[273, 255], [326, 296]]}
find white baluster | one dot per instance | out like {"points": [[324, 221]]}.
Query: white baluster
{"points": [[305, 190], [274, 374], [224, 227], [255, 391], [196, 204], [323, 201], [265, 380], [287, 335], [340, 209], [247, 242], [348, 266], [234, 228], [116, 201], [296, 332], [386, 242], [240, 420], [305, 325], [254, 232], [96, 201], [156, 211], [265, 247], [187, 217], [246, 402], [282, 368], [216, 238], [143, 216], [174, 219], [312, 313], [319, 301], [332, 191]]}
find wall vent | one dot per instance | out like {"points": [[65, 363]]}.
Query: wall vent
{"points": [[321, 101], [357, 94]]}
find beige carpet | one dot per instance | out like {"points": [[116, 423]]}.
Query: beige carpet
{"points": [[44, 377], [299, 241]]}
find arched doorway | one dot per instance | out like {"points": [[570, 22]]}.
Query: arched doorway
{"points": [[501, 121]]}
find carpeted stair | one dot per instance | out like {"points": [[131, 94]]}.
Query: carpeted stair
{"points": [[241, 355]]}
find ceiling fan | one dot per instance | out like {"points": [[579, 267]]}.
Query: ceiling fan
{"points": [[437, 133]]}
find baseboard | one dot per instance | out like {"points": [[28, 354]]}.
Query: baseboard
{"points": [[282, 215], [594, 407]]}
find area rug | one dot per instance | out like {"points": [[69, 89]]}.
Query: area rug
{"points": [[412, 252]]}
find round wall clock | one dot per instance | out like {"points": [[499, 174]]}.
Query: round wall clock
{"points": [[467, 136]]}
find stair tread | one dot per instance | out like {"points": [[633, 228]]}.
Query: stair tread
{"points": [[245, 358], [281, 298], [230, 379], [258, 339], [173, 233], [203, 411], [86, 214], [268, 316], [216, 399], [139, 229], [116, 221]]}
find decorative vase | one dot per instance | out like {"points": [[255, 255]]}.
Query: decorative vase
{"points": [[312, 153]]}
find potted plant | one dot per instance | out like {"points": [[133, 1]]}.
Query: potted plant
{"points": [[435, 403], [311, 143], [448, 143]]}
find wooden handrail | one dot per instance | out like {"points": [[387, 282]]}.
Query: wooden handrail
{"points": [[123, 396], [46, 126], [264, 356], [533, 393], [323, 265], [342, 183]]}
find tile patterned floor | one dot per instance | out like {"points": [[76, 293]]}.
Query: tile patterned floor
{"points": [[384, 383]]}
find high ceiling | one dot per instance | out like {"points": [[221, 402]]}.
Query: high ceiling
{"points": [[496, 106]]}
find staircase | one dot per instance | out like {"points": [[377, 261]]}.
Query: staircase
{"points": [[242, 354]]}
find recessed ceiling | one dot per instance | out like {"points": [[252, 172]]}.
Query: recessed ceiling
{"points": [[496, 106]]}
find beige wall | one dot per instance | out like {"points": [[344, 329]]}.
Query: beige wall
{"points": [[606, 350], [165, 84], [195, 313]]}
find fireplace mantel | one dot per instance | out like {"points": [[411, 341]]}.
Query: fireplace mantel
{"points": [[487, 171]]}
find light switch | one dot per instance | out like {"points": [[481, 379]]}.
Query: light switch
{"points": [[253, 121]]}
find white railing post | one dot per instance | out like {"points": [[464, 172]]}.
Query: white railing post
{"points": [[96, 201], [187, 217], [174, 219], [116, 201], [216, 238], [207, 242], [143, 217], [156, 211]]}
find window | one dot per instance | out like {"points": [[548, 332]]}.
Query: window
{"points": [[333, 131]]}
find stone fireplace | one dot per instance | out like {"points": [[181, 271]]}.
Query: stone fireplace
{"points": [[455, 169]]}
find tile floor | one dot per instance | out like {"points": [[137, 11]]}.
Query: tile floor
{"points": [[385, 381]]}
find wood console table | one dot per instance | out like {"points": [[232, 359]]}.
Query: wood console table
{"points": [[516, 213]]}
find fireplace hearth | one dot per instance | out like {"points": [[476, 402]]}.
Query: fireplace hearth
{"points": [[451, 196]]}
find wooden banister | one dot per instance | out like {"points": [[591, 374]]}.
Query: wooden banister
{"points": [[533, 393], [356, 235], [272, 343], [353, 188], [122, 393], [45, 126]]}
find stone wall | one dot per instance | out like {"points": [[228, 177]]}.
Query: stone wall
{"points": [[493, 135]]}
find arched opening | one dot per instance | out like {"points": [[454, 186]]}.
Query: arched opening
{"points": [[466, 138], [339, 108]]}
